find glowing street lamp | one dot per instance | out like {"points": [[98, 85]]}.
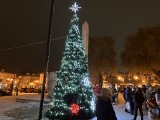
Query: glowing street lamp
{"points": [[37, 81], [119, 77], [136, 77]]}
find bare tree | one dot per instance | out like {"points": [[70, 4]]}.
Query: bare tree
{"points": [[141, 50], [101, 56]]}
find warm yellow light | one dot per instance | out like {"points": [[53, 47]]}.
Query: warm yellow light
{"points": [[119, 78], [31, 83], [136, 77]]}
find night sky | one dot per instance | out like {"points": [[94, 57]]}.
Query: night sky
{"points": [[24, 22]]}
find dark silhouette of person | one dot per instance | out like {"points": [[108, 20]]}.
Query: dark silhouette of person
{"points": [[129, 98], [138, 102], [104, 108]]}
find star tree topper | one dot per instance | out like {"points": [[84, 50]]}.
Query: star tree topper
{"points": [[75, 7]]}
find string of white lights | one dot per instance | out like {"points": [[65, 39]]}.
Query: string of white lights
{"points": [[29, 44]]}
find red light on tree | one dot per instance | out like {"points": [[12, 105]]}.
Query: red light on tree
{"points": [[75, 108]]}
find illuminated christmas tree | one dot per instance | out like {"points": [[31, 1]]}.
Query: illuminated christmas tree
{"points": [[73, 97]]}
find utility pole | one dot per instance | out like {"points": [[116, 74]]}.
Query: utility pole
{"points": [[47, 59]]}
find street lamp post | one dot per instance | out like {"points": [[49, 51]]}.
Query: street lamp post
{"points": [[47, 60]]}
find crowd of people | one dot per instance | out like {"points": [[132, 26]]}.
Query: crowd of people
{"points": [[139, 97], [136, 98]]}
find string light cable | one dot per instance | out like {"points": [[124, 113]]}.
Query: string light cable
{"points": [[11, 48]]}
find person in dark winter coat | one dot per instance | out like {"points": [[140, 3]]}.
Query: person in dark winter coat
{"points": [[104, 108], [129, 98], [124, 89], [138, 102]]}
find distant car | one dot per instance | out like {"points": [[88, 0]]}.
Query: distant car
{"points": [[5, 92], [30, 90], [37, 90], [23, 90], [27, 90]]}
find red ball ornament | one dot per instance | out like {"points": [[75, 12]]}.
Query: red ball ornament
{"points": [[75, 108]]}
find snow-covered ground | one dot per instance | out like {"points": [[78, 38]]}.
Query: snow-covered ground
{"points": [[12, 110]]}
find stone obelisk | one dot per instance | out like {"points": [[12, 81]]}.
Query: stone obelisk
{"points": [[85, 36]]}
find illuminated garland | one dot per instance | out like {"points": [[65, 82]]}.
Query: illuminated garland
{"points": [[73, 96]]}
